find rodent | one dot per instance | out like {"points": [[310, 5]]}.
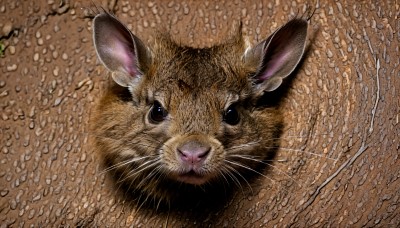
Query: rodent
{"points": [[191, 117]]}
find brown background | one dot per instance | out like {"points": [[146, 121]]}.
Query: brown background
{"points": [[339, 163]]}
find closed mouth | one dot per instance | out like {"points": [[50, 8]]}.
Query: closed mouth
{"points": [[192, 177]]}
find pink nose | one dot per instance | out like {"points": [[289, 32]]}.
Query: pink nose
{"points": [[193, 152]]}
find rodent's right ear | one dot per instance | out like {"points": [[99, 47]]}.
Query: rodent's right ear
{"points": [[119, 50]]}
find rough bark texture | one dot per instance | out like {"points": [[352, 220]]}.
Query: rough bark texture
{"points": [[339, 162]]}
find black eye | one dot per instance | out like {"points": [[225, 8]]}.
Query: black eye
{"points": [[231, 116], [157, 113]]}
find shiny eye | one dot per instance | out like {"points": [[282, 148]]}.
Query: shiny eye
{"points": [[231, 116], [157, 113]]}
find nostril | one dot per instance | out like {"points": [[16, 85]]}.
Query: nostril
{"points": [[204, 153], [193, 152], [182, 154]]}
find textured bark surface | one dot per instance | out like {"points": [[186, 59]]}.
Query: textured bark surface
{"points": [[339, 162]]}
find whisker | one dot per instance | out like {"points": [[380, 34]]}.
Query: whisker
{"points": [[299, 136], [266, 163], [227, 169], [144, 201], [249, 144], [159, 172], [232, 149], [262, 158], [222, 174], [248, 168], [247, 155], [123, 163], [136, 176], [240, 175], [303, 151], [278, 160], [150, 175], [138, 169], [158, 204]]}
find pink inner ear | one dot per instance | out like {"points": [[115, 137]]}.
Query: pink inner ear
{"points": [[122, 53], [283, 50], [275, 63], [125, 56]]}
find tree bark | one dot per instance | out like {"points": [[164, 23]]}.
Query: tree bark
{"points": [[338, 162]]}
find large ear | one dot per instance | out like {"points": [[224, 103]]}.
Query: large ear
{"points": [[276, 57], [119, 50]]}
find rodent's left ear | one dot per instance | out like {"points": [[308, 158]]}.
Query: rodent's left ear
{"points": [[119, 50], [277, 56]]}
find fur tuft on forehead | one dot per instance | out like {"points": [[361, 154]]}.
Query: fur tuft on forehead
{"points": [[220, 66]]}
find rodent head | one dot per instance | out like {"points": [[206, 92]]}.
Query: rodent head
{"points": [[192, 117]]}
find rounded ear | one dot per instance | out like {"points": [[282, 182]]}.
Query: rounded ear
{"points": [[277, 56], [119, 50]]}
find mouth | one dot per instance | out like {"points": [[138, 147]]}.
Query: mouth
{"points": [[192, 177]]}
